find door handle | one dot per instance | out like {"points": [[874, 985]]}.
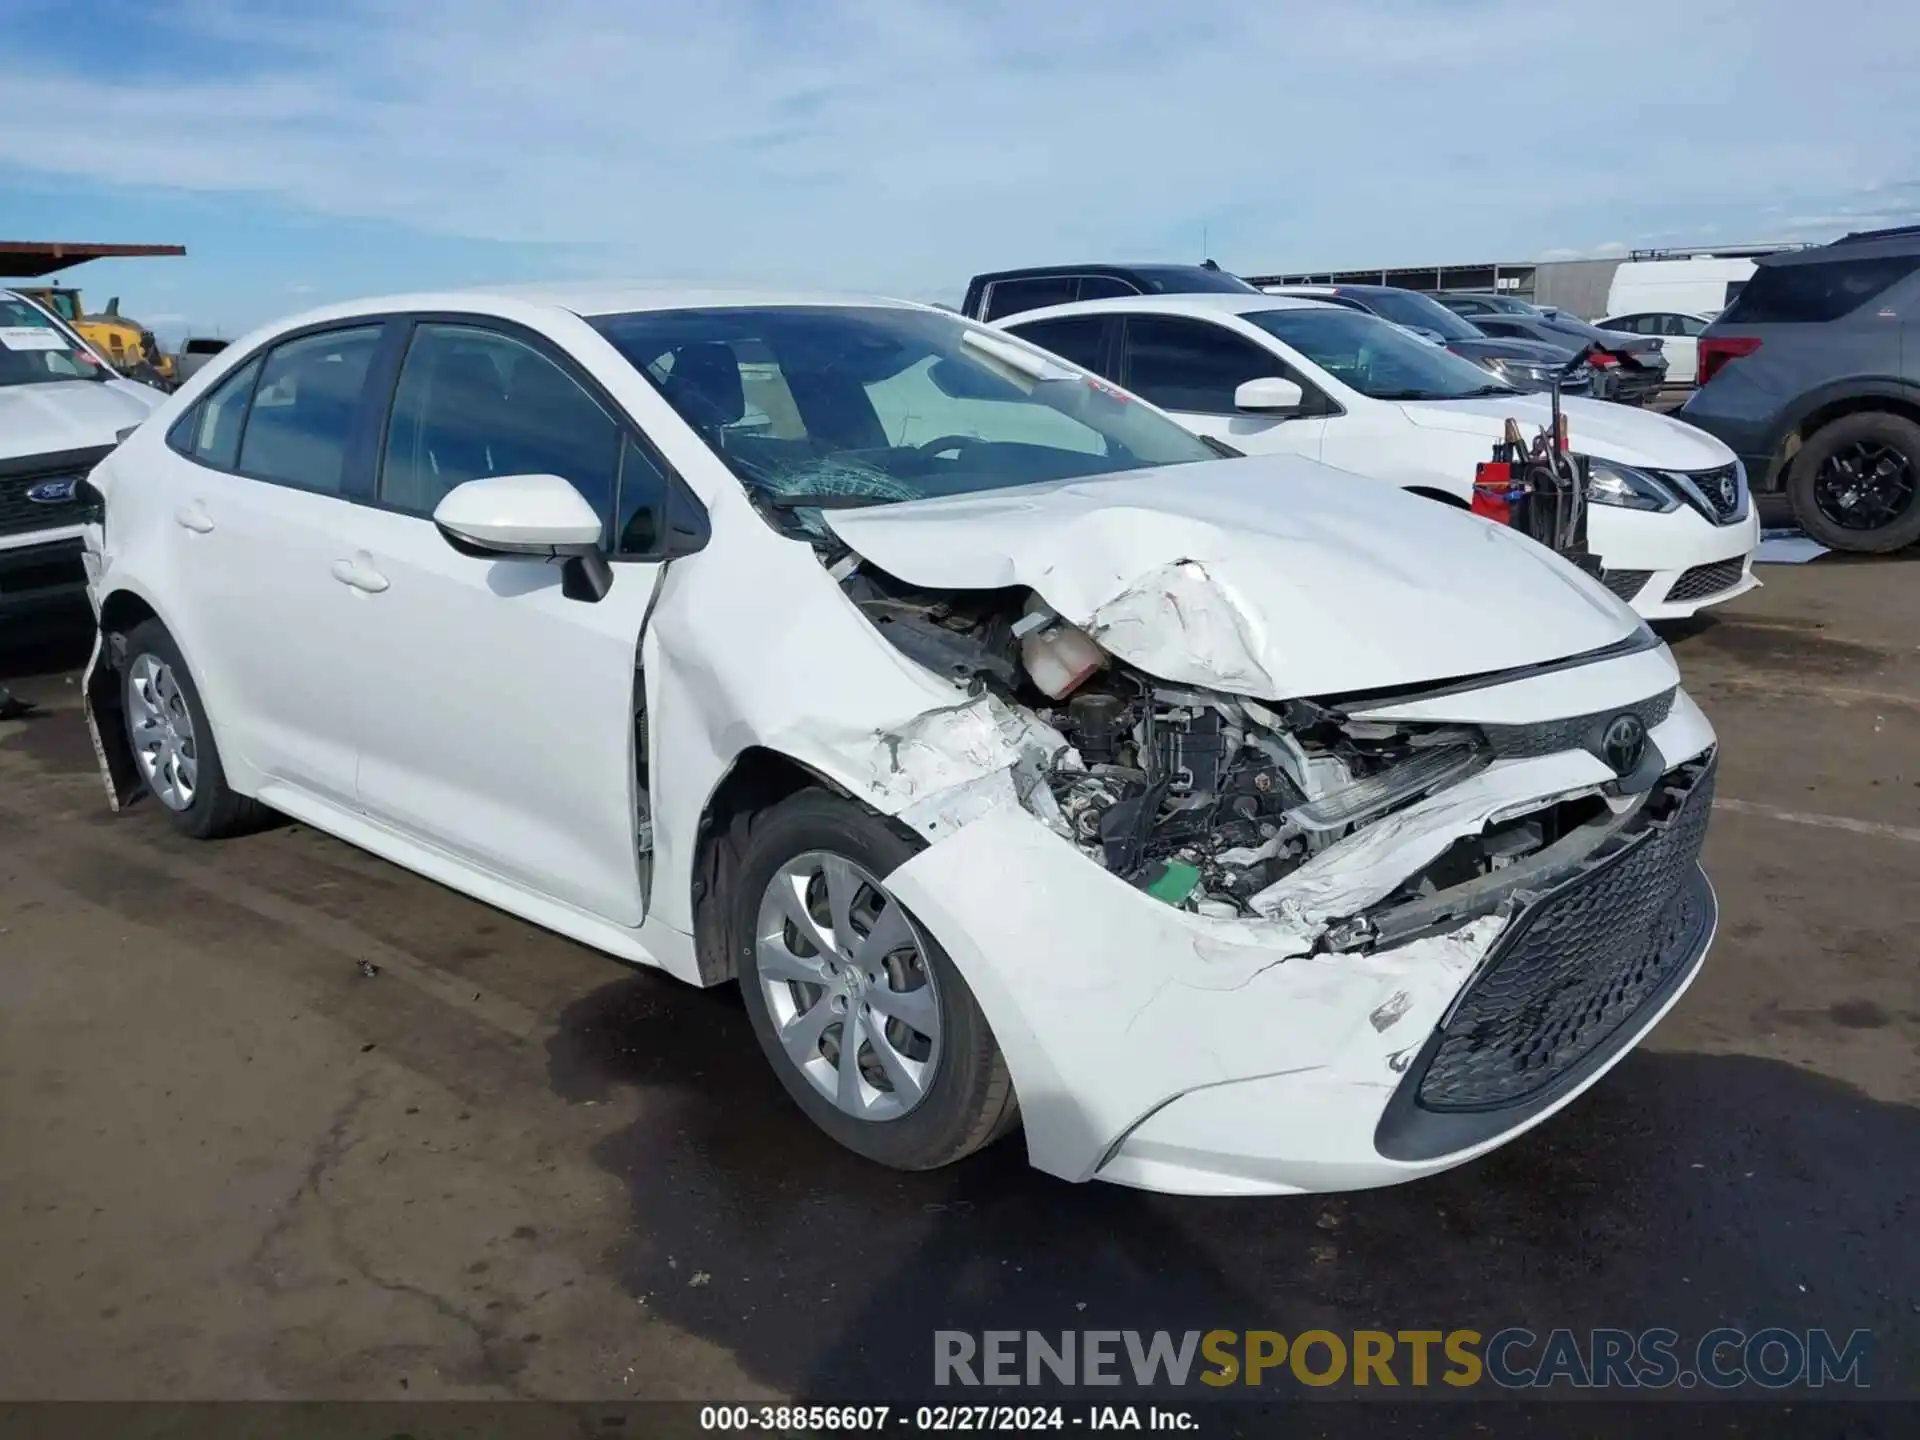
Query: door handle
{"points": [[360, 574], [193, 517]]}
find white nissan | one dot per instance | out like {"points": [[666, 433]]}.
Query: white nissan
{"points": [[1670, 517], [1224, 827]]}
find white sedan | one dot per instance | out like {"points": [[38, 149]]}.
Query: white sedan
{"points": [[1671, 520], [1225, 828], [1679, 333]]}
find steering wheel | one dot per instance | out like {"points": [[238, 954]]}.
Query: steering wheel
{"points": [[949, 442]]}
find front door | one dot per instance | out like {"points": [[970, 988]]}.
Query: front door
{"points": [[501, 714], [1191, 368]]}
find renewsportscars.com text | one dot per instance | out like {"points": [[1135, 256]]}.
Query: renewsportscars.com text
{"points": [[1514, 1358]]}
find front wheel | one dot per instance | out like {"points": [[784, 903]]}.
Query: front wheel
{"points": [[865, 1019], [1856, 484]]}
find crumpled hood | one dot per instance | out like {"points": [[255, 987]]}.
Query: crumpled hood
{"points": [[1272, 576], [1596, 427], [70, 414]]}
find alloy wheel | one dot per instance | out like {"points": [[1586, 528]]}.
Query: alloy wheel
{"points": [[845, 976], [1864, 485]]}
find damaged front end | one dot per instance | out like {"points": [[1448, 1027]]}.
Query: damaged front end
{"points": [[1231, 807]]}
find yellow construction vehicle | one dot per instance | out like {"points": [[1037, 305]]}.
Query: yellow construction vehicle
{"points": [[127, 345]]}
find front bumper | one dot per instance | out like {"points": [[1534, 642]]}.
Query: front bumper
{"points": [[1671, 566], [1161, 1049]]}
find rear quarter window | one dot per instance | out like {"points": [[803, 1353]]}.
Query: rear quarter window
{"points": [[1816, 292]]}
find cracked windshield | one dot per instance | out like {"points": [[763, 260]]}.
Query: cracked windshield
{"points": [[815, 407]]}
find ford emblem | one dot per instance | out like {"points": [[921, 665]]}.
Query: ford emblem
{"points": [[52, 492]]}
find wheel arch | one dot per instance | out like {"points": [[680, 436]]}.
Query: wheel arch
{"points": [[757, 778], [120, 611], [1829, 403]]}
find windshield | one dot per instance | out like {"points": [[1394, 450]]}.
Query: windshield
{"points": [[843, 405], [1379, 360], [35, 351], [1406, 307]]}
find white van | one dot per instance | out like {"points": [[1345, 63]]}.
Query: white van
{"points": [[1702, 285]]}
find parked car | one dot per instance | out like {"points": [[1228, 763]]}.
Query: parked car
{"points": [[1523, 363], [194, 352], [1472, 303], [61, 406], [1670, 519], [1000, 293], [1630, 368], [961, 715], [1809, 376], [1679, 336]]}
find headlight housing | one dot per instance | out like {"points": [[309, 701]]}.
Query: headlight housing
{"points": [[1610, 483]]}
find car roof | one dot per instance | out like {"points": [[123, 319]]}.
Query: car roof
{"points": [[1209, 303], [1096, 267], [583, 299]]}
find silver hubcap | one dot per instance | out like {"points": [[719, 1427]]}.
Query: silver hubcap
{"points": [[846, 980], [162, 732]]}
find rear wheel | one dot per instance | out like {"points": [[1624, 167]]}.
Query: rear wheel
{"points": [[1856, 484], [172, 742], [864, 1018]]}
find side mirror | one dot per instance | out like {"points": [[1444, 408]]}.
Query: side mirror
{"points": [[1268, 393], [534, 515]]}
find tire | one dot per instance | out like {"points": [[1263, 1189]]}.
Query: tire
{"points": [[1870, 433], [966, 1100], [156, 693]]}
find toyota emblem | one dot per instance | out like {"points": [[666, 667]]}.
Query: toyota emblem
{"points": [[1623, 742]]}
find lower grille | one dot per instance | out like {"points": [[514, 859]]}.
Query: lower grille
{"points": [[1704, 580], [1579, 963], [1625, 583]]}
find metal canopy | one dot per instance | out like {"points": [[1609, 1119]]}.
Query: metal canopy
{"points": [[25, 259]]}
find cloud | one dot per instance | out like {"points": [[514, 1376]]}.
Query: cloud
{"points": [[905, 143]]}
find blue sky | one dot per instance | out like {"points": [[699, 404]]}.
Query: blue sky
{"points": [[307, 152]]}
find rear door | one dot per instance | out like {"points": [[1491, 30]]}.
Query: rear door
{"points": [[1191, 367], [500, 714], [258, 483]]}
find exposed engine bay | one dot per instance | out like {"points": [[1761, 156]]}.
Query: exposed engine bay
{"points": [[1204, 800]]}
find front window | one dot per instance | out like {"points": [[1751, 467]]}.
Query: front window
{"points": [[1421, 312], [1375, 358], [869, 405], [36, 351]]}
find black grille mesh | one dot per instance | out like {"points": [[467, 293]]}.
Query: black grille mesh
{"points": [[1625, 583], [1705, 580], [1575, 967], [1550, 737]]}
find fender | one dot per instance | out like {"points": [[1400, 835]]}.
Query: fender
{"points": [[1859, 387]]}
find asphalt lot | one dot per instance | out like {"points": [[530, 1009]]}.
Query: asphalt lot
{"points": [[237, 1165]]}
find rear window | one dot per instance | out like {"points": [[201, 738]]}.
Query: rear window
{"points": [[1822, 290]]}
